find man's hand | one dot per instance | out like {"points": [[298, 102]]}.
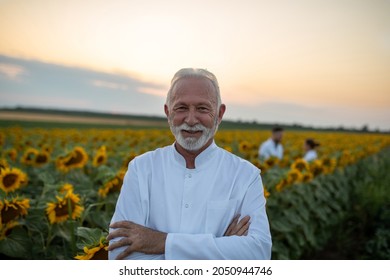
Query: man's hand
{"points": [[239, 228], [137, 238]]}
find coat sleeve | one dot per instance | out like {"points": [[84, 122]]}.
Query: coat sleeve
{"points": [[256, 245], [130, 207]]}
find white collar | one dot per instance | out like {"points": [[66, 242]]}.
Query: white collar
{"points": [[200, 160]]}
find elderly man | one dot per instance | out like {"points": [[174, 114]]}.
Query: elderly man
{"points": [[192, 199]]}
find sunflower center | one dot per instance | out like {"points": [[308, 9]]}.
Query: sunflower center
{"points": [[9, 180], [41, 158], [76, 158], [301, 166], [62, 209], [100, 159], [102, 254], [9, 214]]}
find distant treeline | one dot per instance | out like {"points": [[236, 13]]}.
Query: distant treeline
{"points": [[226, 124]]}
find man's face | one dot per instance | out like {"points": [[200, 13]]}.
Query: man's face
{"points": [[192, 113], [277, 136]]}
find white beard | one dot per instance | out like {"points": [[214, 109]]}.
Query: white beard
{"points": [[193, 143]]}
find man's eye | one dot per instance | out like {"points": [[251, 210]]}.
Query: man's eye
{"points": [[203, 109], [181, 108]]}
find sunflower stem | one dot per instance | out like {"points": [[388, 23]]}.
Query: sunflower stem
{"points": [[49, 238], [72, 229]]}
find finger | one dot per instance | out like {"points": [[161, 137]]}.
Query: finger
{"points": [[243, 229], [121, 232], [245, 233], [122, 224], [232, 225], [243, 221], [125, 253], [121, 243], [241, 225]]}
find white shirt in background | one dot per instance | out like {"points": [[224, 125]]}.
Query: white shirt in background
{"points": [[310, 155], [195, 206], [268, 149]]}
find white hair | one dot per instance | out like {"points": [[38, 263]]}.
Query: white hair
{"points": [[194, 73]]}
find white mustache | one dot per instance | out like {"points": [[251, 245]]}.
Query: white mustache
{"points": [[197, 127]]}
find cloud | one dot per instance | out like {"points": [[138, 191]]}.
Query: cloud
{"points": [[11, 71], [58, 86], [109, 85], [153, 91]]}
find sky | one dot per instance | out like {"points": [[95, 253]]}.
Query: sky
{"points": [[310, 62]]}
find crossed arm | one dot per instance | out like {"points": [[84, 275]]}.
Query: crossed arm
{"points": [[142, 239]]}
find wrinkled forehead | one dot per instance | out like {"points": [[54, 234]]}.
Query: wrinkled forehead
{"points": [[196, 87]]}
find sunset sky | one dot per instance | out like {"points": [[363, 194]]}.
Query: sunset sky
{"points": [[320, 63]]}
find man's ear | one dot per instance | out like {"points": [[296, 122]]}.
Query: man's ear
{"points": [[166, 110], [221, 112]]}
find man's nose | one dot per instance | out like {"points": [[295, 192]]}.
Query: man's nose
{"points": [[191, 118]]}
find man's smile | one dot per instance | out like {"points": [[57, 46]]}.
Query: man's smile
{"points": [[191, 132]]}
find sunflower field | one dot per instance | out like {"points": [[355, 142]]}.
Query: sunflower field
{"points": [[58, 188]]}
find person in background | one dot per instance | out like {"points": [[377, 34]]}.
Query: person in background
{"points": [[273, 146], [192, 199], [310, 150]]}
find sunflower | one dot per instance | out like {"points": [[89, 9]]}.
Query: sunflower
{"points": [[3, 164], [244, 147], [307, 177], [41, 158], [346, 158], [271, 162], [99, 252], [64, 208], [12, 179], [294, 176], [329, 165], [66, 187], [77, 158], [13, 209], [113, 185], [316, 167], [100, 157], [6, 229], [12, 154], [47, 148], [266, 192], [29, 156], [300, 164], [281, 185]]}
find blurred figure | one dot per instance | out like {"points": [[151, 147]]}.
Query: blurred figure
{"points": [[272, 147], [310, 150]]}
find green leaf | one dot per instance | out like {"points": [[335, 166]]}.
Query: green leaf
{"points": [[89, 236], [17, 244], [104, 173], [46, 178], [281, 226], [309, 234]]}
